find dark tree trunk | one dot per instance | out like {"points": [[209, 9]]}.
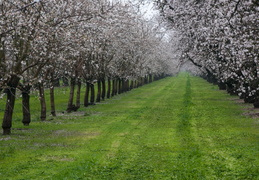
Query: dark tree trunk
{"points": [[128, 85], [42, 102], [249, 99], [26, 105], [211, 78], [145, 79], [70, 105], [56, 83], [10, 101], [122, 87], [125, 85], [87, 90], [114, 87], [119, 86], [108, 88], [98, 97], [131, 84], [52, 101], [150, 78], [139, 82], [92, 95], [230, 89], [78, 94], [103, 89], [256, 102], [65, 81], [222, 86]]}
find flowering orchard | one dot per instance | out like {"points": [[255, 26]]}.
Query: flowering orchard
{"points": [[222, 39], [44, 41]]}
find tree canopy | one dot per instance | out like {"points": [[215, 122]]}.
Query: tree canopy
{"points": [[221, 38]]}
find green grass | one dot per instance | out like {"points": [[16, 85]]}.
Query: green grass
{"points": [[176, 128]]}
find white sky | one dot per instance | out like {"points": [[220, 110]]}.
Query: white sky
{"points": [[146, 8]]}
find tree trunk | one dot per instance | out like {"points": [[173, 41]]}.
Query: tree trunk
{"points": [[52, 101], [65, 81], [145, 79], [56, 82], [127, 85], [103, 89], [78, 94], [123, 85], [70, 105], [98, 98], [109, 88], [256, 102], [249, 99], [114, 87], [230, 89], [26, 105], [8, 114], [87, 90], [53, 83], [222, 86], [92, 95], [150, 79], [119, 86], [42, 102]]}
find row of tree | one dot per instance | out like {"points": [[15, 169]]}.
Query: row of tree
{"points": [[43, 41], [221, 38]]}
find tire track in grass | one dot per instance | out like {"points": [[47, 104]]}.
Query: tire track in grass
{"points": [[149, 141], [189, 162], [219, 128], [174, 131], [123, 155]]}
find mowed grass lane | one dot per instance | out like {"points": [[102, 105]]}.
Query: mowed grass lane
{"points": [[176, 128]]}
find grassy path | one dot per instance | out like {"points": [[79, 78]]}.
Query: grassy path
{"points": [[177, 128]]}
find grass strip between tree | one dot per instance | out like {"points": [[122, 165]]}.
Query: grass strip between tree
{"points": [[176, 128]]}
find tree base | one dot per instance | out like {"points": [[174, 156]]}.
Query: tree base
{"points": [[72, 108], [256, 104], [6, 131]]}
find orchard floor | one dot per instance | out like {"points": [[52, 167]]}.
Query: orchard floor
{"points": [[177, 128]]}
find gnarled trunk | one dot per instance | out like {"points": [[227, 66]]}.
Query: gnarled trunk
{"points": [[10, 101]]}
